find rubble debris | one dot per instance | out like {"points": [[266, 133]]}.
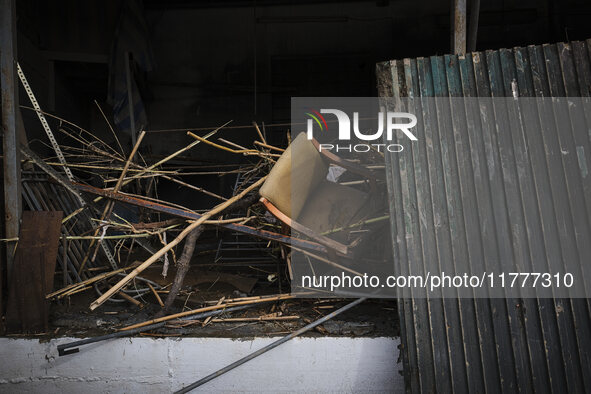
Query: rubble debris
{"points": [[230, 303], [99, 301], [109, 206], [185, 213], [114, 216]]}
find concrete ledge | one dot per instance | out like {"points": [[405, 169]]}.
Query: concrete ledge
{"points": [[319, 365]]}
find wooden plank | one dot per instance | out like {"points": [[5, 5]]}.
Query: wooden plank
{"points": [[32, 277]]}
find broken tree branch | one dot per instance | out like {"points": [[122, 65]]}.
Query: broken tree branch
{"points": [[256, 126], [156, 295], [269, 146], [182, 268]]}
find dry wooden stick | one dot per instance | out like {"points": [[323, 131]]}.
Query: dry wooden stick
{"points": [[130, 299], [233, 220], [109, 207], [255, 319], [320, 258], [156, 295], [149, 169], [245, 152], [77, 291], [235, 145], [268, 297], [110, 127], [269, 146], [219, 208], [97, 278], [221, 146], [208, 319], [206, 309], [97, 167], [259, 132]]}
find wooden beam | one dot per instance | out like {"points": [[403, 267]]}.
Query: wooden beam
{"points": [[459, 26], [10, 140], [473, 28]]}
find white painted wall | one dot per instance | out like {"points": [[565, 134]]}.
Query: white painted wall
{"points": [[146, 365]]}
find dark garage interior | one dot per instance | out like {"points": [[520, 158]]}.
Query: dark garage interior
{"points": [[151, 223]]}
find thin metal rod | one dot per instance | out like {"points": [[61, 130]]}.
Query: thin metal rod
{"points": [[269, 347], [130, 97], [72, 347]]}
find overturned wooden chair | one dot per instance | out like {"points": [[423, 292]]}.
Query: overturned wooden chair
{"points": [[298, 193]]}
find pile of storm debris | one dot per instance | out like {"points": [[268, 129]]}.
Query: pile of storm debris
{"points": [[76, 240]]}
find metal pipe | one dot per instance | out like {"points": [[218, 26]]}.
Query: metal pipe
{"points": [[72, 347], [269, 347]]}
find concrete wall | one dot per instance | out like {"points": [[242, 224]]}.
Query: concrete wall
{"points": [[343, 365]]}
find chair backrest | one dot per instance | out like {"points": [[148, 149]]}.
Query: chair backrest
{"points": [[295, 176]]}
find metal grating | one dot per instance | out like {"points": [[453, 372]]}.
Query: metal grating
{"points": [[494, 345]]}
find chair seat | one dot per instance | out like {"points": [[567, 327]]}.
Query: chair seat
{"points": [[332, 206], [297, 187], [294, 177]]}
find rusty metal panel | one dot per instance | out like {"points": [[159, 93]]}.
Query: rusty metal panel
{"points": [[535, 202], [27, 309]]}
